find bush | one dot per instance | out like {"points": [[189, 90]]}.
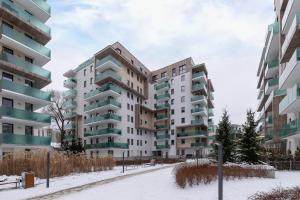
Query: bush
{"points": [[192, 174], [60, 163], [278, 194]]}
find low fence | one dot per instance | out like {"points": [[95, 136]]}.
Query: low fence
{"points": [[285, 165]]}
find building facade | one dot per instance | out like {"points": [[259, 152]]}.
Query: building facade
{"points": [[279, 78], [117, 105], [24, 35]]}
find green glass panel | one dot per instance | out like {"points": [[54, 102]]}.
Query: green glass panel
{"points": [[102, 103], [107, 145], [192, 133], [43, 5], [105, 131], [25, 140], [102, 117], [103, 89]]}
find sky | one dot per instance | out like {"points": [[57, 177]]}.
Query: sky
{"points": [[226, 35]]}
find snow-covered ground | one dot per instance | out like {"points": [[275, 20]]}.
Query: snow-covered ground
{"points": [[60, 183], [161, 185]]}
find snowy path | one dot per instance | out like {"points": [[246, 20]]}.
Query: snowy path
{"points": [[160, 185]]}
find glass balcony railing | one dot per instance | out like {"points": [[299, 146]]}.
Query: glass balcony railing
{"points": [[107, 102], [273, 82], [26, 16], [162, 96], [24, 90], [163, 146], [273, 64], [69, 115], [104, 117], [162, 136], [24, 115], [21, 38], [70, 126], [106, 131], [210, 112], [24, 140], [43, 5], [198, 144], [192, 133], [198, 98], [106, 74], [198, 86], [161, 86], [70, 82], [162, 106], [162, 116], [290, 129], [200, 109], [69, 93], [103, 89], [292, 94], [26, 66], [70, 104], [107, 145], [199, 122], [161, 126], [198, 74]]}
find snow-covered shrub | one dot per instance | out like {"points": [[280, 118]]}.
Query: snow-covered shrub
{"points": [[278, 194]]}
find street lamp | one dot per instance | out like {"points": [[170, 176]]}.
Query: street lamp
{"points": [[220, 170]]}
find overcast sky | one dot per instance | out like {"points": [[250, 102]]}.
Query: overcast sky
{"points": [[228, 35]]}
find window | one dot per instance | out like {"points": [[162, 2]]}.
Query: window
{"points": [[182, 109], [132, 74], [7, 102], [7, 24], [132, 62], [91, 68], [128, 95], [172, 122], [7, 128], [172, 112], [119, 50], [172, 142], [84, 84], [172, 132], [154, 78], [84, 72], [27, 59], [131, 130], [7, 76], [128, 106], [182, 141], [182, 88], [29, 130], [128, 118], [28, 83], [182, 99], [8, 50], [131, 107], [137, 142], [131, 85], [131, 141], [182, 69], [174, 72], [29, 107], [182, 120], [163, 74], [172, 101], [182, 78], [132, 119], [128, 83], [172, 91], [91, 81], [128, 129]]}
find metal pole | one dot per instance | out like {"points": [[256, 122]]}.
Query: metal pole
{"points": [[123, 161], [197, 154], [220, 171], [48, 169]]}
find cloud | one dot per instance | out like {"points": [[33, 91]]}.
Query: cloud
{"points": [[226, 35]]}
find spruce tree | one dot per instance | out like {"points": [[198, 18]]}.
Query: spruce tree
{"points": [[249, 143], [225, 137]]}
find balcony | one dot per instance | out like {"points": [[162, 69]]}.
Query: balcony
{"points": [[12, 38], [105, 64], [290, 129], [70, 83], [198, 87], [291, 10], [290, 74], [272, 48], [199, 111], [198, 144], [200, 122], [104, 91], [108, 104], [291, 102], [70, 126], [191, 134], [162, 117], [162, 106], [199, 76], [272, 69], [271, 85], [291, 42], [13, 64], [163, 97], [70, 115], [69, 105], [162, 136], [161, 127], [25, 16], [23, 140], [210, 112], [29, 94], [162, 146], [39, 8], [107, 145], [100, 119], [199, 99], [162, 87], [103, 132], [70, 93], [13, 115], [108, 74]]}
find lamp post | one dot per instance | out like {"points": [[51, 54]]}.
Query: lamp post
{"points": [[220, 170]]}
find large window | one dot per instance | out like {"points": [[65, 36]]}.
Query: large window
{"points": [[29, 130], [29, 107], [182, 69], [7, 128], [7, 102]]}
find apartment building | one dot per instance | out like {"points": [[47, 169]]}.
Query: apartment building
{"points": [[279, 78], [117, 105], [24, 35]]}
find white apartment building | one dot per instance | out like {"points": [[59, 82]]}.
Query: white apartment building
{"points": [[279, 78], [117, 105], [24, 35]]}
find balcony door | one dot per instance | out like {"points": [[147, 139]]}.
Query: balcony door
{"points": [[9, 103], [29, 130]]}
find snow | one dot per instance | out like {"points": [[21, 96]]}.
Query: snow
{"points": [[60, 183], [161, 185]]}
